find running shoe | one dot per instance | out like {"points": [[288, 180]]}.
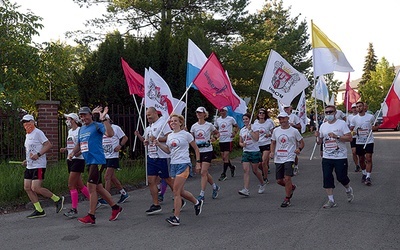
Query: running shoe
{"points": [[200, 197], [115, 213], [261, 189], [98, 205], [222, 177], [198, 207], [233, 168], [215, 192], [293, 188], [357, 169], [295, 170], [59, 204], [350, 195], [72, 213], [363, 178], [266, 181], [123, 198], [285, 203], [368, 181], [173, 221], [183, 204], [329, 204], [154, 209], [36, 214], [244, 192], [87, 220], [102, 201]]}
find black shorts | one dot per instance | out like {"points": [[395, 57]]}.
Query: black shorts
{"points": [[76, 165], [265, 148], [34, 174], [225, 146], [353, 143], [206, 156], [340, 166], [369, 149], [94, 174], [112, 163], [284, 169]]}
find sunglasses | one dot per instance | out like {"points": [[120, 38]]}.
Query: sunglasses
{"points": [[261, 113], [328, 112]]}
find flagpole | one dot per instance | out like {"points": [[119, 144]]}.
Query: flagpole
{"points": [[137, 126], [316, 118]]}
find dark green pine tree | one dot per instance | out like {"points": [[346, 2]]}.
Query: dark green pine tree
{"points": [[370, 65]]}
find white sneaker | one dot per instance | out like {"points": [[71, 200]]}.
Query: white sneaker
{"points": [[244, 192], [261, 189], [296, 170], [350, 195]]}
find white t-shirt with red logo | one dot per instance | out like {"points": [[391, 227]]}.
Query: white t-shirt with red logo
{"points": [[286, 144], [332, 147], [225, 128], [178, 144], [363, 127], [72, 140], [33, 144], [202, 135]]}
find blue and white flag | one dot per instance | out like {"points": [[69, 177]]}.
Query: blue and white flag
{"points": [[196, 60], [320, 91]]}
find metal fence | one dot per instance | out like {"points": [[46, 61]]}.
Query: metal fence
{"points": [[12, 134]]}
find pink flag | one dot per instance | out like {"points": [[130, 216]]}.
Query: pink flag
{"points": [[351, 96], [213, 83], [134, 80], [391, 106]]}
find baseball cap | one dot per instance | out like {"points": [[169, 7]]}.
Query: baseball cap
{"points": [[27, 118], [73, 116], [85, 110], [283, 114], [353, 105], [201, 110], [286, 106], [224, 108], [108, 118]]}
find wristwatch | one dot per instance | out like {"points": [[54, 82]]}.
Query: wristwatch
{"points": [[338, 137], [39, 154]]}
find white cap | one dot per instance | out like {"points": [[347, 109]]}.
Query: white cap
{"points": [[201, 110], [224, 108], [283, 114], [27, 118], [73, 116], [353, 105]]}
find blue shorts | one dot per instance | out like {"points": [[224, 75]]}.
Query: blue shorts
{"points": [[284, 169], [252, 157], [177, 169], [158, 167]]}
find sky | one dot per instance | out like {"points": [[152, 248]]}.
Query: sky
{"points": [[351, 24]]}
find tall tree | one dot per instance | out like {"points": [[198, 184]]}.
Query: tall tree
{"points": [[369, 66], [19, 60], [374, 91]]}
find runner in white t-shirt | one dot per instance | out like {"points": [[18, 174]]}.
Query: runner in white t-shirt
{"points": [[177, 145], [362, 125], [227, 128], [36, 147], [294, 121], [333, 135], [251, 156], [204, 134], [265, 126], [349, 119], [286, 144]]}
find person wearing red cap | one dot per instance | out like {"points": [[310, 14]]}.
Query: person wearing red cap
{"points": [[76, 166], [36, 146]]}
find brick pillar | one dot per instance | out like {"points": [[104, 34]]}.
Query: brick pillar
{"points": [[48, 122]]}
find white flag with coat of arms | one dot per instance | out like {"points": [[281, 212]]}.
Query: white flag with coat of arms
{"points": [[282, 80], [301, 112]]}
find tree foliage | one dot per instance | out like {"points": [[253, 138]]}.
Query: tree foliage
{"points": [[374, 91], [369, 66]]}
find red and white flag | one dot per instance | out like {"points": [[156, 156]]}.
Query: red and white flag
{"points": [[391, 105], [157, 93], [282, 80], [351, 96], [301, 112], [134, 80], [213, 83]]}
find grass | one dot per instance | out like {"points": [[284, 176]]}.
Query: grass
{"points": [[12, 192]]}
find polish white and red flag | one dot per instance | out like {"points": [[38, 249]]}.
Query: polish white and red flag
{"points": [[391, 105]]}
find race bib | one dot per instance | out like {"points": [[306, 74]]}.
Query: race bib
{"points": [[84, 146], [282, 153], [331, 144], [70, 145]]}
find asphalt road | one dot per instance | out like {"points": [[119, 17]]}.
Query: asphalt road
{"points": [[231, 221]]}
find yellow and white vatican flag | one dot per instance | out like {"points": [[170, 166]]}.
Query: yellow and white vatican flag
{"points": [[327, 55]]}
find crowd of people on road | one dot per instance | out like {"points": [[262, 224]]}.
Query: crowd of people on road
{"points": [[94, 142]]}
